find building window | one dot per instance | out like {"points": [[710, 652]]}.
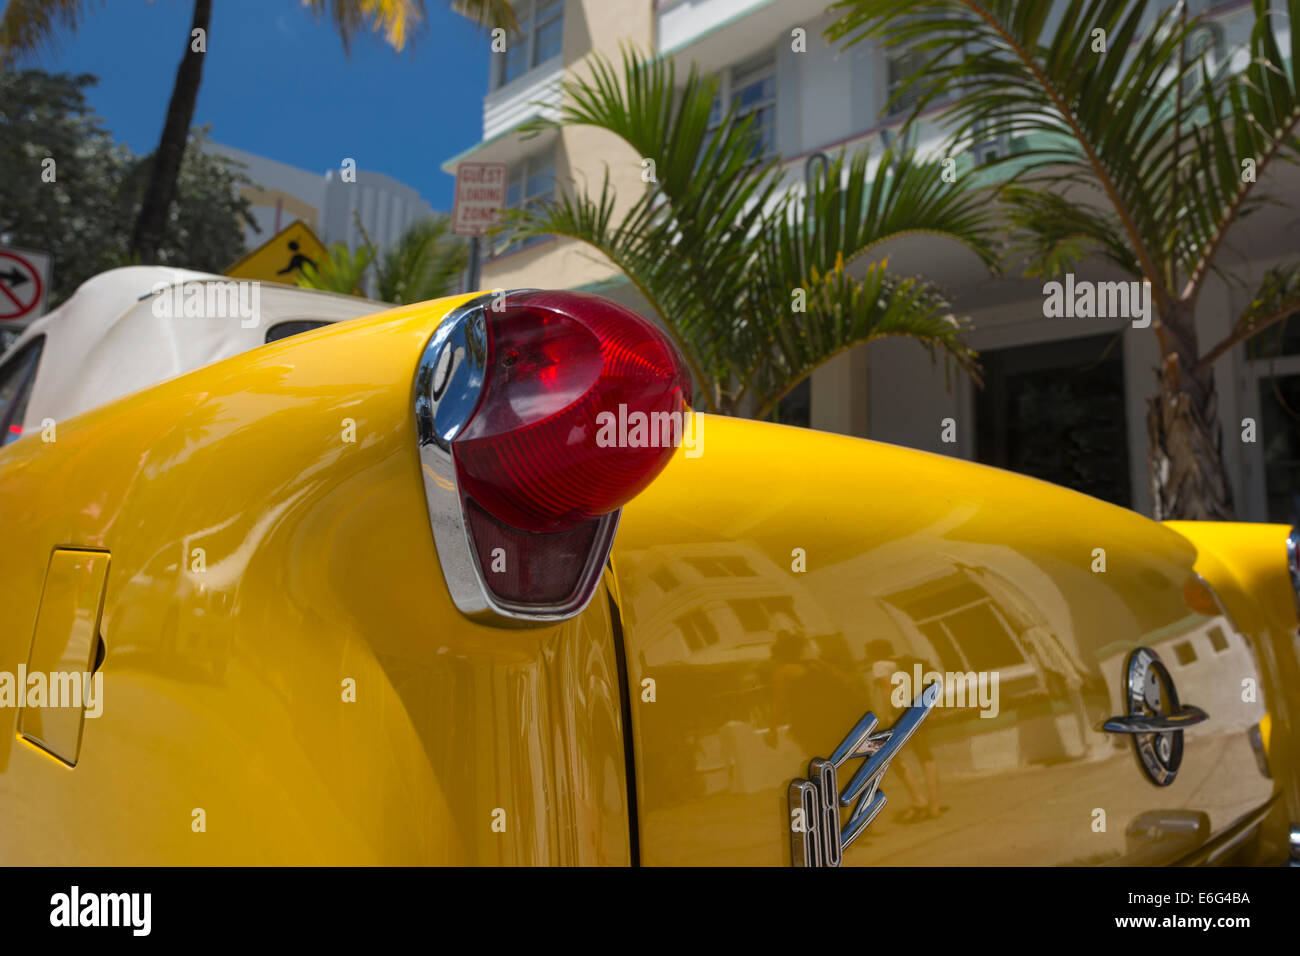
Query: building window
{"points": [[753, 93], [697, 630], [750, 89], [540, 38], [721, 566], [899, 68], [532, 180], [759, 614], [1273, 374], [1207, 40], [664, 579], [1278, 395], [963, 623]]}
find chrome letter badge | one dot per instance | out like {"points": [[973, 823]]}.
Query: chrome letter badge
{"points": [[816, 838]]}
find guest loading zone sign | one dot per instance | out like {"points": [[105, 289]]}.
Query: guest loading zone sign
{"points": [[480, 197]]}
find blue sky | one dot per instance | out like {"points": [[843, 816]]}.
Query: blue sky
{"points": [[278, 84]]}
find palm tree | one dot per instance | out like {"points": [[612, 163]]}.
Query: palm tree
{"points": [[28, 25], [757, 286], [425, 263], [343, 272], [1142, 154]]}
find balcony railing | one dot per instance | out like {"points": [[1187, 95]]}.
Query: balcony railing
{"points": [[535, 92]]}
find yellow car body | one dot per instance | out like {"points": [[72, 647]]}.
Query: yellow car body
{"points": [[286, 679]]}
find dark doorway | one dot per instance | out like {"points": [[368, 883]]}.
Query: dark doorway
{"points": [[796, 407], [1279, 428], [1056, 411]]}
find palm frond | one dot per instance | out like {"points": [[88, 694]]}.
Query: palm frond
{"points": [[343, 271], [1256, 122], [1029, 70], [1277, 298], [425, 263], [28, 26], [717, 245], [488, 13], [396, 20], [1054, 234], [852, 210], [844, 312]]}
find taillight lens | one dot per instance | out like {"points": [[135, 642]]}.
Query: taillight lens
{"points": [[557, 362], [544, 413]]}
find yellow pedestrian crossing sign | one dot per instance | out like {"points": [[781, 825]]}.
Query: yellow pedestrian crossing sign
{"points": [[281, 258]]}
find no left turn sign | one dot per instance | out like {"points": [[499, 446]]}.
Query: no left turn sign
{"points": [[24, 283]]}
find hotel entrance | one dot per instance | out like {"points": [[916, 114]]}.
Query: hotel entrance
{"points": [[1056, 411]]}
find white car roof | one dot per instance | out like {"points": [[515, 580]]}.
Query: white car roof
{"points": [[109, 338]]}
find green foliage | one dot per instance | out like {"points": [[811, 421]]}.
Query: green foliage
{"points": [[723, 252], [205, 225], [84, 216], [1139, 149], [425, 263], [75, 217], [343, 272]]}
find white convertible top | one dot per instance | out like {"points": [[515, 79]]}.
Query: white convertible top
{"points": [[109, 338]]}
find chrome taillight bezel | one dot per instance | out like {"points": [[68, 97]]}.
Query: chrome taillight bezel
{"points": [[1293, 563], [449, 385]]}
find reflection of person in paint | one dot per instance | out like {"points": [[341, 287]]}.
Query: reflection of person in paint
{"points": [[806, 686], [916, 764], [298, 261]]}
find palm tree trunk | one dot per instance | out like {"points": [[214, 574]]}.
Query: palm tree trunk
{"points": [[166, 166], [1185, 451]]}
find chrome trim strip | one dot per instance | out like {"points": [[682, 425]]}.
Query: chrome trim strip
{"points": [[821, 841]]}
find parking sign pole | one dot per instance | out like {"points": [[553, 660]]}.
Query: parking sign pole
{"points": [[471, 273]]}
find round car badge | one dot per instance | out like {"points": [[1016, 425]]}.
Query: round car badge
{"points": [[1155, 718]]}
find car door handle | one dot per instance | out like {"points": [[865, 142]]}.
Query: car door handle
{"points": [[1185, 716]]}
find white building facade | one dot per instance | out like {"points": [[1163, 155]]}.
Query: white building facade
{"points": [[327, 203], [1064, 399]]}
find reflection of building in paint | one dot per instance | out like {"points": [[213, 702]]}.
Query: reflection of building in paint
{"points": [[1198, 660], [324, 202], [972, 620], [723, 608], [725, 603]]}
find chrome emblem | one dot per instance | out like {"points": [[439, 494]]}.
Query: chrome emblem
{"points": [[1156, 718], [816, 837]]}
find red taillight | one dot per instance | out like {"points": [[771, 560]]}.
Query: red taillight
{"points": [[551, 411], [559, 366]]}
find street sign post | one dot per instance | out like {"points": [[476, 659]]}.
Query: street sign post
{"points": [[24, 286], [480, 197]]}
